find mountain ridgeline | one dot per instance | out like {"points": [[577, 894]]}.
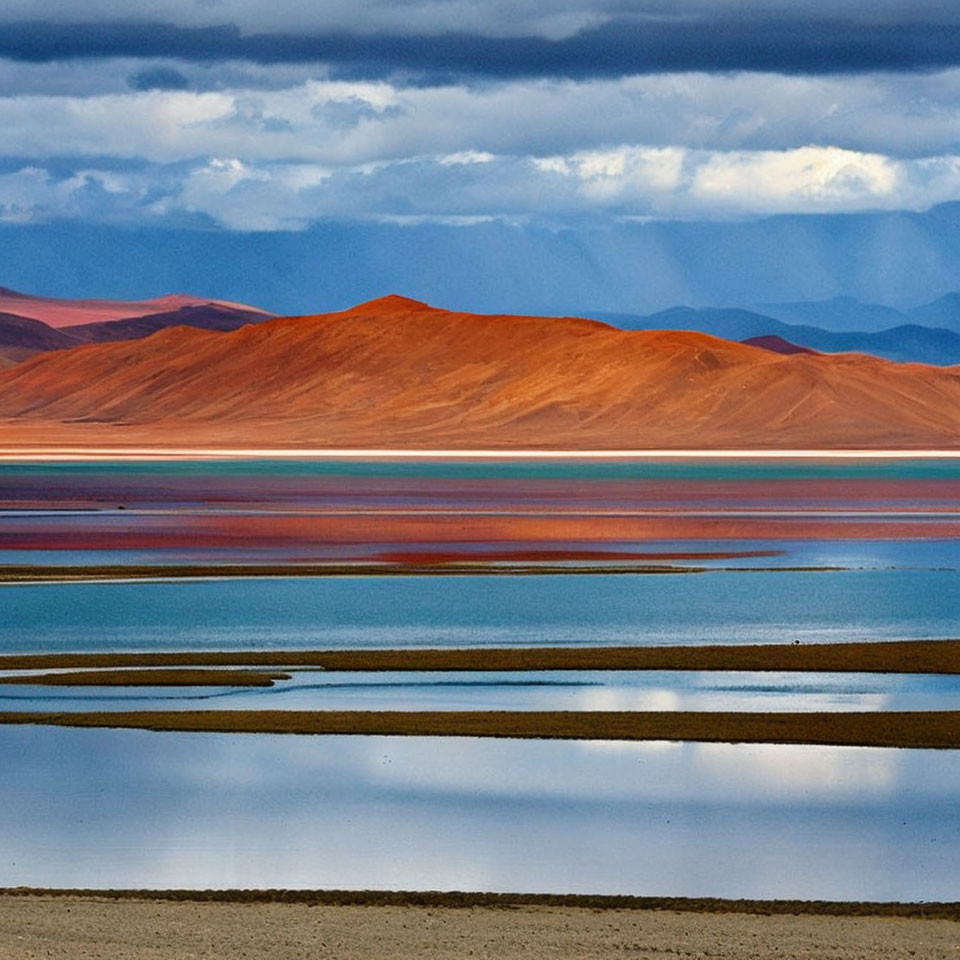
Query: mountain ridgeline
{"points": [[929, 333]]}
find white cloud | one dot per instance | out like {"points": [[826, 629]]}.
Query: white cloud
{"points": [[466, 156], [620, 182], [32, 194], [281, 157], [316, 120], [808, 178], [617, 174], [222, 176], [636, 181]]}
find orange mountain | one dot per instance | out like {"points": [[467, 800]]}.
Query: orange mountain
{"points": [[397, 373]]}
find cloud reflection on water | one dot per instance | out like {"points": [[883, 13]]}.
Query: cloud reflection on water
{"points": [[127, 808]]}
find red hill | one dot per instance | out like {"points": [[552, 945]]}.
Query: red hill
{"points": [[397, 373]]}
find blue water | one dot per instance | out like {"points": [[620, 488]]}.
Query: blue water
{"points": [[327, 613], [711, 469], [133, 809], [528, 690], [102, 808], [893, 589]]}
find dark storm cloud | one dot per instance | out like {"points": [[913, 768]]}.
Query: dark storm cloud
{"points": [[158, 78], [615, 48]]}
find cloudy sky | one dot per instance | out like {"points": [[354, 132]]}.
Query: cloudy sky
{"points": [[246, 116]]}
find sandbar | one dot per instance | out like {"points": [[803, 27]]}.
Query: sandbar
{"points": [[93, 573], [884, 656], [150, 678], [938, 729]]}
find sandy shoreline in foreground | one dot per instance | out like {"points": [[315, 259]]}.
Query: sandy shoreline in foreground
{"points": [[97, 926]]}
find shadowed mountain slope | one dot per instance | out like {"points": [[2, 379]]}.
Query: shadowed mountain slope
{"points": [[776, 344], [206, 316], [65, 313], [22, 337]]}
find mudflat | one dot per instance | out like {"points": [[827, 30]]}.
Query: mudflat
{"points": [[91, 927]]}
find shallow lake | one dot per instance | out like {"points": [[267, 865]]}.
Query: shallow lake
{"points": [[893, 526], [132, 809], [281, 511], [532, 690], [503, 610]]}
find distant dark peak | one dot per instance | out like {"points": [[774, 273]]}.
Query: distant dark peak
{"points": [[204, 316], [27, 333], [192, 309], [776, 344]]}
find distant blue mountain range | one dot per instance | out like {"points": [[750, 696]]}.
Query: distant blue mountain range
{"points": [[824, 281], [925, 334], [770, 265]]}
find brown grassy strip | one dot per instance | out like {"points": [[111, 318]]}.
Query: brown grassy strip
{"points": [[465, 899], [151, 678], [894, 656], [929, 729], [23, 573]]}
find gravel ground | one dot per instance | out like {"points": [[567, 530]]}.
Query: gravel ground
{"points": [[90, 928]]}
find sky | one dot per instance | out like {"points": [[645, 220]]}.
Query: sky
{"points": [[244, 117]]}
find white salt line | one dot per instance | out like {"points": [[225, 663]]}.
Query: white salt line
{"points": [[54, 454]]}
